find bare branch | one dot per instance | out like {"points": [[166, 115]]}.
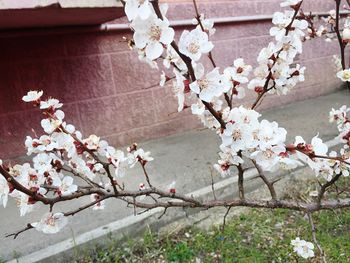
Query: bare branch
{"points": [[266, 181], [16, 234], [313, 230]]}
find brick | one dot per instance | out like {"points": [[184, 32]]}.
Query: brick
{"points": [[95, 43], [159, 130], [130, 74], [116, 114], [165, 104], [71, 79], [31, 48], [11, 90]]}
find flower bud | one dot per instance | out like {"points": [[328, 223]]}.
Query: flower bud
{"points": [[346, 35]]}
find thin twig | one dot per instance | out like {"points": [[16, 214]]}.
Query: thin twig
{"points": [[313, 230], [266, 181], [225, 217], [16, 234], [342, 44]]}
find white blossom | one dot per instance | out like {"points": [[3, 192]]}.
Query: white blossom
{"points": [[92, 142], [207, 86], [195, 43], [137, 8], [51, 124], [151, 34], [50, 104], [65, 186], [32, 96], [100, 205], [51, 223], [290, 3], [344, 75], [303, 248], [4, 190]]}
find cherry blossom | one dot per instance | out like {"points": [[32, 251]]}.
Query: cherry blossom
{"points": [[51, 223], [22, 202], [100, 205], [172, 57], [179, 89], [32, 96], [65, 186], [51, 124], [207, 86], [303, 248], [346, 31], [344, 75], [151, 34], [194, 43], [139, 155], [137, 8], [92, 142], [208, 24], [290, 3], [4, 191], [50, 104], [236, 75]]}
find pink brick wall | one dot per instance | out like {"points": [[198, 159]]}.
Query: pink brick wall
{"points": [[108, 92]]}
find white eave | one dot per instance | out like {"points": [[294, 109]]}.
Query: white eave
{"points": [[49, 13]]}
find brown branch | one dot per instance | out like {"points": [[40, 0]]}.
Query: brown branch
{"points": [[311, 155], [225, 217], [313, 231], [84, 178], [198, 17], [16, 234], [46, 200], [266, 181], [73, 212], [146, 174], [269, 76], [325, 187], [240, 179], [189, 66], [212, 184], [111, 179], [271, 204], [342, 44]]}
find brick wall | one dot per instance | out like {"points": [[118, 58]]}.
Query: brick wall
{"points": [[108, 92]]}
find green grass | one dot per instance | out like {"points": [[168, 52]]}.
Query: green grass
{"points": [[257, 236], [260, 235]]}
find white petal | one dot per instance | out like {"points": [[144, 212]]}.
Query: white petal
{"points": [[131, 9], [167, 36], [194, 87], [154, 50], [140, 40], [144, 10]]}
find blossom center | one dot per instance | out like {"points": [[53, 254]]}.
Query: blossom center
{"points": [[50, 221], [193, 47], [237, 135], [346, 75], [203, 84], [268, 153], [155, 33]]}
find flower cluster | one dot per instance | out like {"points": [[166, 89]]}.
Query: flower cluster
{"points": [[276, 60], [59, 157], [262, 141], [315, 154]]}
